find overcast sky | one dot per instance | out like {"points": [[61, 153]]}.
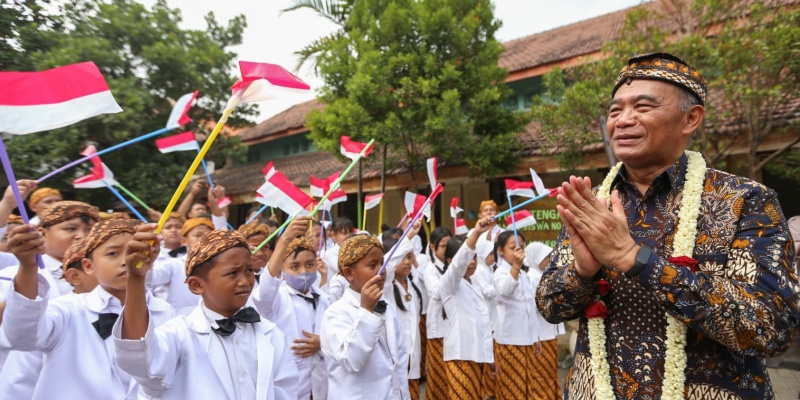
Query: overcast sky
{"points": [[273, 37]]}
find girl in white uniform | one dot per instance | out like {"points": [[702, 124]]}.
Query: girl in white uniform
{"points": [[436, 321]]}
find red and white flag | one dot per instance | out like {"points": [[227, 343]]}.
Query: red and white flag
{"points": [[268, 171], [538, 184], [179, 115], [224, 202], [89, 150], [517, 188], [352, 149], [454, 208], [432, 176], [100, 176], [461, 227], [262, 81], [279, 192], [321, 186], [181, 142], [371, 201], [336, 197], [38, 101], [414, 203], [523, 219]]}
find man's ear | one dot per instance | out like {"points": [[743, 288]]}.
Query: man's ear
{"points": [[347, 272], [72, 275], [87, 266], [694, 119], [196, 285]]}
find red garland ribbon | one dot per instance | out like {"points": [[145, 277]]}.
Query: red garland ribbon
{"points": [[596, 307], [684, 261]]}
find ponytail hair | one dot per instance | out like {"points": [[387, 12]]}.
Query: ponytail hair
{"points": [[437, 235], [399, 300]]}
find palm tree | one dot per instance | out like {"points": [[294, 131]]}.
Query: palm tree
{"points": [[336, 11]]}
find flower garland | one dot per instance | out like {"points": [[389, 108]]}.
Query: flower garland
{"points": [[682, 249]]}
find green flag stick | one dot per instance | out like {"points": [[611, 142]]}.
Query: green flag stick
{"points": [[133, 196]]}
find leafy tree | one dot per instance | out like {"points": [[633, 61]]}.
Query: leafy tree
{"points": [[747, 51], [421, 77], [336, 11], [146, 60]]}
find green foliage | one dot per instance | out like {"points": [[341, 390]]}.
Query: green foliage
{"points": [[747, 51], [422, 78], [336, 11], [146, 59]]}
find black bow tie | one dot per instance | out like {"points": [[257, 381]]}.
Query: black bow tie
{"points": [[312, 299], [524, 268], [380, 308], [175, 253], [105, 322], [228, 325]]}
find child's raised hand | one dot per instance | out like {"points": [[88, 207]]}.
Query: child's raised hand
{"points": [[484, 224], [371, 293], [307, 347], [296, 228], [140, 250], [25, 187], [519, 256], [25, 242], [153, 214], [322, 267], [414, 231]]}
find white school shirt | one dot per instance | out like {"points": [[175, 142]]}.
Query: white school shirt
{"points": [[517, 323], [336, 287], [409, 319], [288, 309], [484, 276], [7, 260], [167, 281], [178, 361], [237, 349], [62, 330], [469, 335], [365, 352], [436, 325], [547, 331], [418, 274]]}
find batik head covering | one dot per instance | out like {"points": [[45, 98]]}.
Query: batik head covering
{"points": [[114, 215], [14, 219], [355, 248], [212, 244], [254, 228], [487, 203], [663, 67], [192, 223], [41, 193], [75, 253], [301, 242], [104, 230], [65, 211]]}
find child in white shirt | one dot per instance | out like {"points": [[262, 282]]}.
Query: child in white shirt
{"points": [[361, 336], [72, 330], [286, 295], [436, 319], [222, 349]]}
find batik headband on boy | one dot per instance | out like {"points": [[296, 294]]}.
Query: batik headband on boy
{"points": [[192, 223], [14, 219], [104, 230], [75, 253], [65, 211], [253, 228], [297, 244], [212, 244], [41, 193], [663, 67], [355, 248]]}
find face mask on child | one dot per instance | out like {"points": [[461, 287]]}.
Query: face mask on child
{"points": [[301, 282]]}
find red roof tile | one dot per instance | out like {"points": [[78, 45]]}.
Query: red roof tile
{"points": [[291, 118]]}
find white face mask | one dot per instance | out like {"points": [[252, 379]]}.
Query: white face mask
{"points": [[301, 282]]}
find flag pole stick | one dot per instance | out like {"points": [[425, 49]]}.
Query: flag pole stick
{"points": [[232, 103], [118, 195], [260, 210], [364, 220], [133, 196], [421, 211], [380, 217], [104, 151], [321, 235], [205, 169], [513, 219], [280, 229], [523, 204], [12, 181]]}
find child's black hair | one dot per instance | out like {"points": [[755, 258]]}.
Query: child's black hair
{"points": [[270, 223], [343, 224], [78, 264], [453, 245], [398, 299], [502, 239], [388, 243], [437, 235], [201, 271], [389, 231]]}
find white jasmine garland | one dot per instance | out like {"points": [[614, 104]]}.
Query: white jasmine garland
{"points": [[683, 245]]}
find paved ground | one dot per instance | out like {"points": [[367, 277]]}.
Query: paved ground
{"points": [[785, 382]]}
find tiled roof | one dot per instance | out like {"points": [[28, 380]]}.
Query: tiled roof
{"points": [[291, 118]]}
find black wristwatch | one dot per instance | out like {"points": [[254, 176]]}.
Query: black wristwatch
{"points": [[642, 258]]}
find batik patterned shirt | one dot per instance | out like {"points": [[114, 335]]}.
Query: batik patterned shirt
{"points": [[740, 306]]}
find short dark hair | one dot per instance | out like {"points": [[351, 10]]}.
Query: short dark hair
{"points": [[453, 245], [201, 271], [343, 224], [388, 232]]}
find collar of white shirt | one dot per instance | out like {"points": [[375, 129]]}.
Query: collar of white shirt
{"points": [[53, 265]]}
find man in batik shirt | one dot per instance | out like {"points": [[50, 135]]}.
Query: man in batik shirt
{"points": [[737, 293]]}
